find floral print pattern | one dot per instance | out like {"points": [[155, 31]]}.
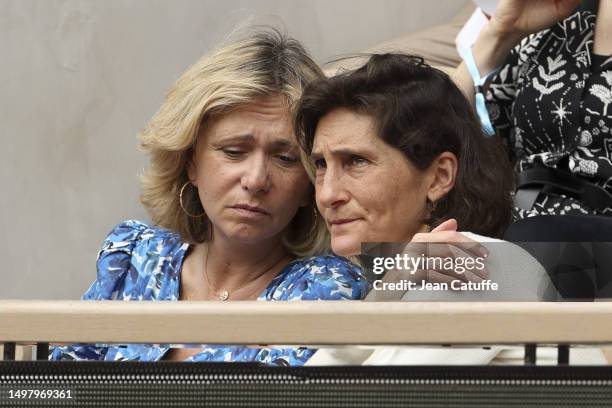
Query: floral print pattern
{"points": [[143, 263], [550, 101]]}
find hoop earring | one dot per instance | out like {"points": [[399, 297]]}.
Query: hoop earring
{"points": [[183, 206]]}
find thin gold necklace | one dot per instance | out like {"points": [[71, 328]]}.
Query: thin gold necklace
{"points": [[225, 294]]}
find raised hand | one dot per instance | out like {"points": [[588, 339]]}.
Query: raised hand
{"points": [[445, 242], [523, 17]]}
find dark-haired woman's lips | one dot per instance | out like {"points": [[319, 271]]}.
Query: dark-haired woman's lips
{"points": [[341, 222]]}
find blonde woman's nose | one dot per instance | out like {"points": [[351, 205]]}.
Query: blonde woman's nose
{"points": [[256, 177]]}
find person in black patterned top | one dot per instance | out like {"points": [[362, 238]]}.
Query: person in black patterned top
{"points": [[551, 100]]}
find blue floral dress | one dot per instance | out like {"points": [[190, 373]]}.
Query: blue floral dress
{"points": [[139, 262]]}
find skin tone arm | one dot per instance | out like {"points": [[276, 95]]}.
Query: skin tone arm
{"points": [[602, 43], [513, 20]]}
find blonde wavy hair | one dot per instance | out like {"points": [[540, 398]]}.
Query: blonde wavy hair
{"points": [[267, 62]]}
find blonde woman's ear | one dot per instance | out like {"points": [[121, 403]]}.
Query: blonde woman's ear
{"points": [[192, 171]]}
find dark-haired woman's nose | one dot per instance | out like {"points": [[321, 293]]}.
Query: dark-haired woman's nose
{"points": [[330, 189]]}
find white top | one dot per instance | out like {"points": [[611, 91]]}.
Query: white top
{"points": [[519, 276]]}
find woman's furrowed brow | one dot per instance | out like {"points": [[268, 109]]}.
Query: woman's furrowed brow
{"points": [[341, 151], [236, 138], [284, 144]]}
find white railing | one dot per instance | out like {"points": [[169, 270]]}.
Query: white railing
{"points": [[305, 323]]}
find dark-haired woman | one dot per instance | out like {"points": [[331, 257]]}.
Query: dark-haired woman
{"points": [[397, 150], [400, 156]]}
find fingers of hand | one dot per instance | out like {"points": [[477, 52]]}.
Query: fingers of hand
{"points": [[451, 237], [457, 261], [448, 225]]}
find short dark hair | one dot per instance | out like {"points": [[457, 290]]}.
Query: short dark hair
{"points": [[418, 110]]}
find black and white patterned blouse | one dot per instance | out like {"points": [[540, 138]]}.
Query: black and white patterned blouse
{"points": [[552, 101]]}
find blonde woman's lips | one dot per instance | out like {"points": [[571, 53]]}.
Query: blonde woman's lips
{"points": [[249, 211]]}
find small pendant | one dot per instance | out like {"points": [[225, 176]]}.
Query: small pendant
{"points": [[223, 295]]}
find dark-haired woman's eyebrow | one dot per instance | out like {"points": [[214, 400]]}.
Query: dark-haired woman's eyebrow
{"points": [[347, 151], [339, 152]]}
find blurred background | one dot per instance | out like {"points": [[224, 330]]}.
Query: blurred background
{"points": [[80, 78]]}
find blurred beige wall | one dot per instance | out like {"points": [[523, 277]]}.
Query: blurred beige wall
{"points": [[79, 78]]}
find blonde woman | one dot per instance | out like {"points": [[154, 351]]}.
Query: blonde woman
{"points": [[232, 206]]}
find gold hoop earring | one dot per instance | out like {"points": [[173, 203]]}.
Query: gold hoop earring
{"points": [[183, 206]]}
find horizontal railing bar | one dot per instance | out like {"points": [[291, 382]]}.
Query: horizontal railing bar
{"points": [[340, 322]]}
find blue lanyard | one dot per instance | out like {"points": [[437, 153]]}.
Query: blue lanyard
{"points": [[479, 81]]}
